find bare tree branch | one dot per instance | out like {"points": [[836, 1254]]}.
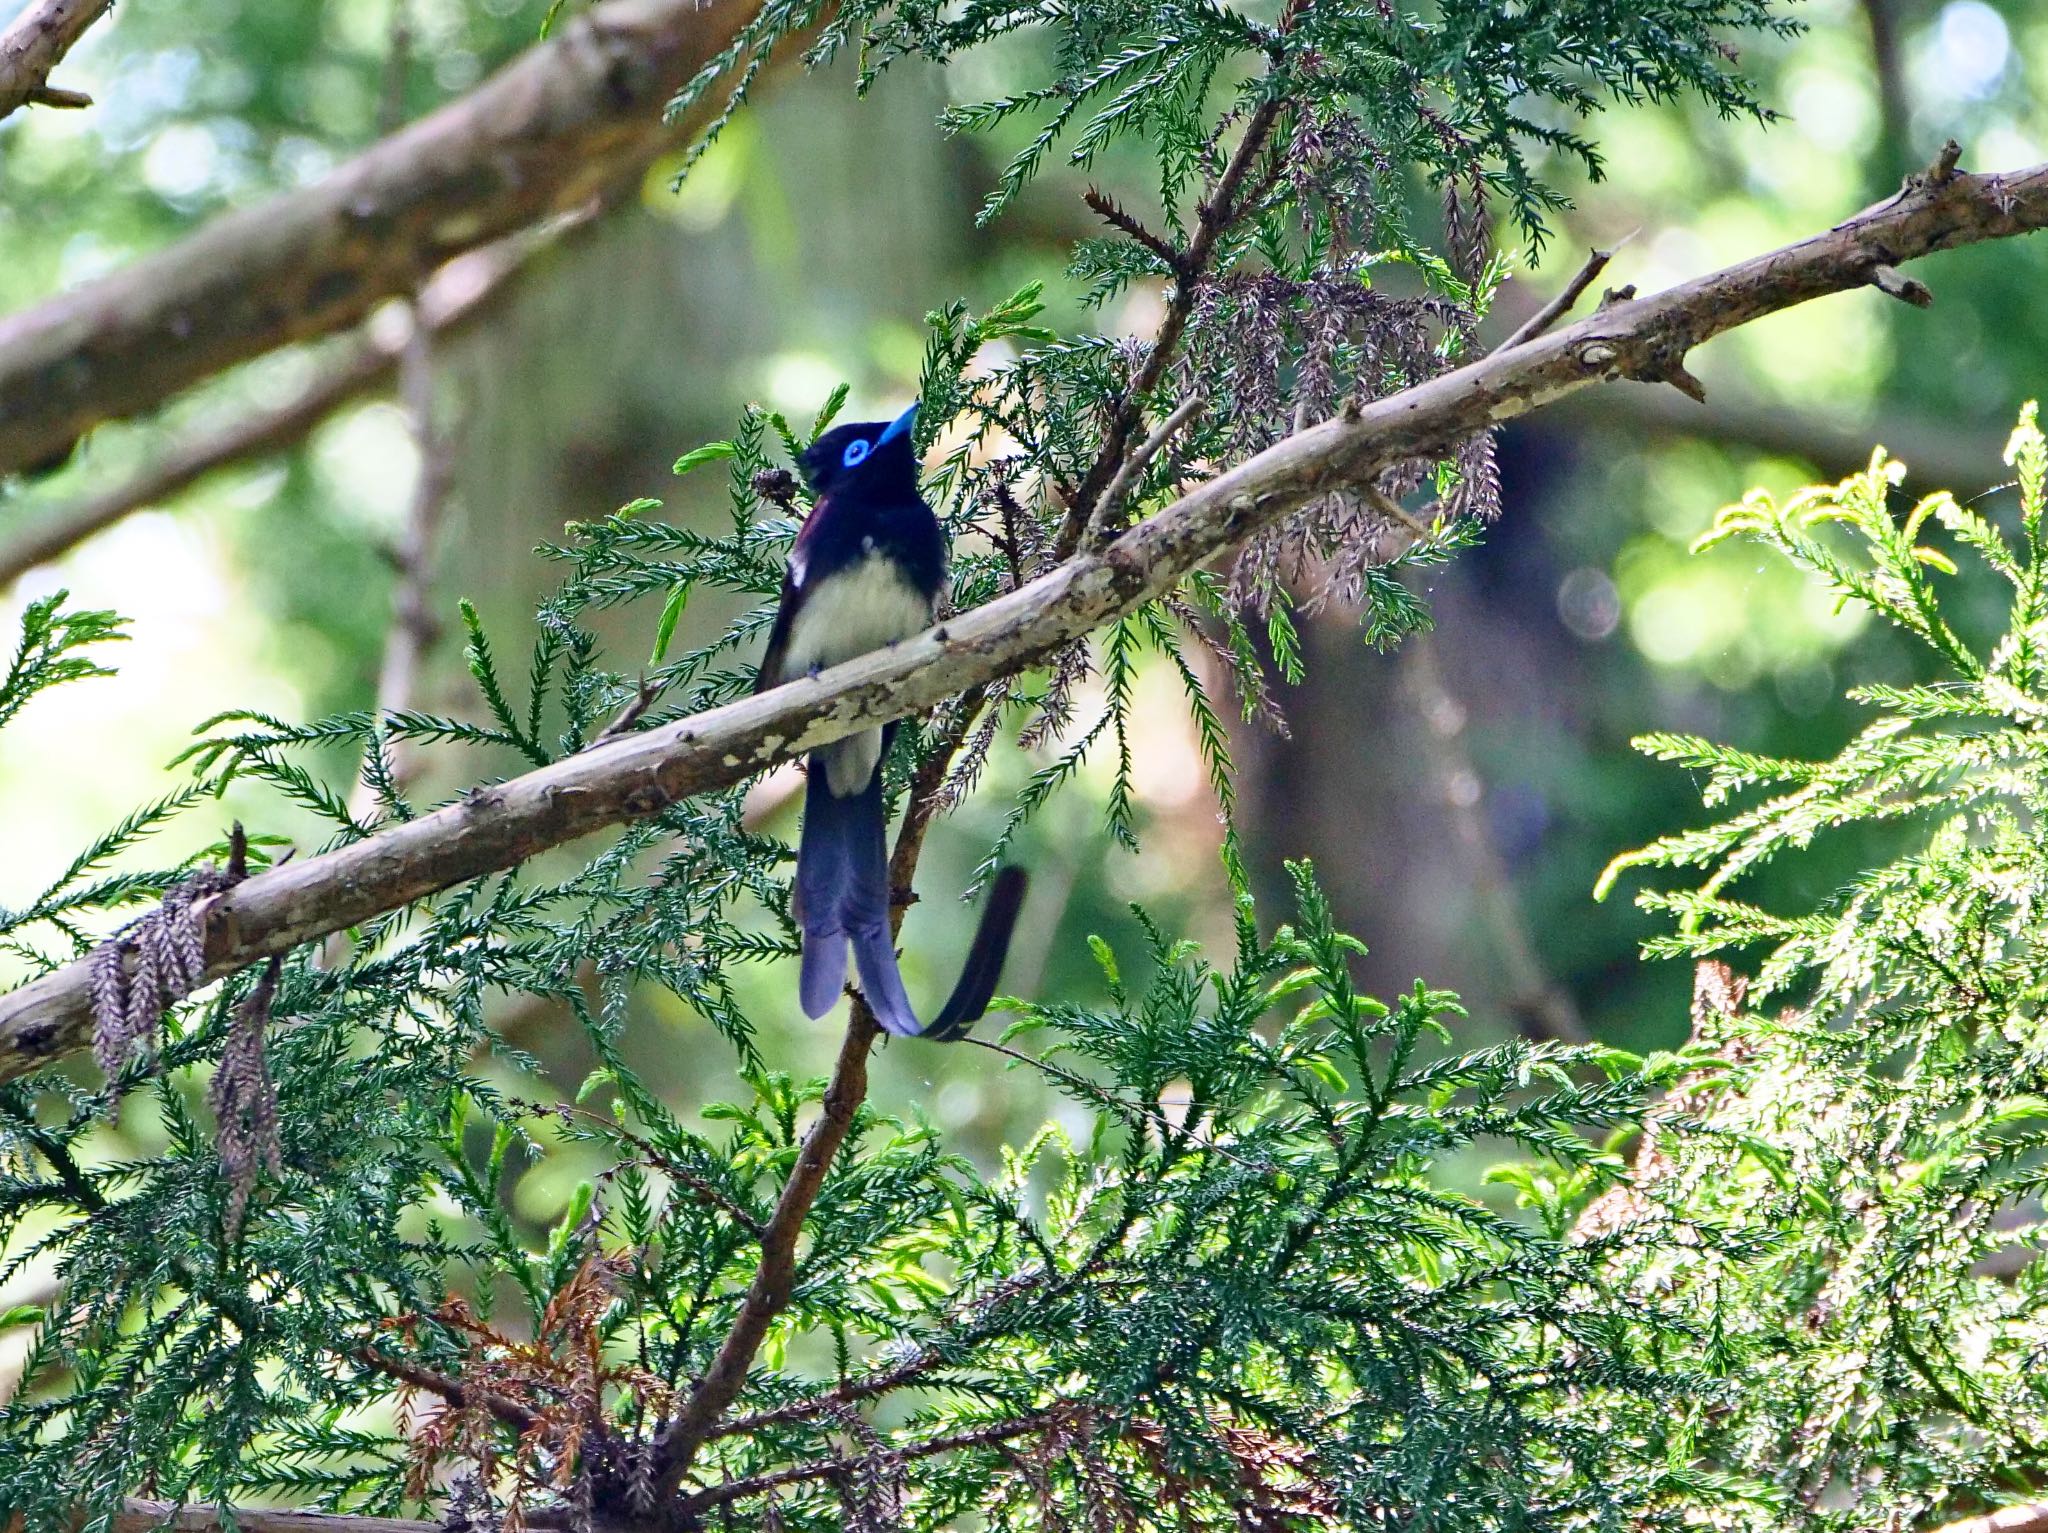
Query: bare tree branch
{"points": [[776, 1271], [1561, 305], [1103, 523], [2009, 1519], [459, 293], [138, 1516], [1220, 209], [147, 1516], [35, 43], [827, 1469], [541, 136], [500, 826], [361, 367], [454, 1391]]}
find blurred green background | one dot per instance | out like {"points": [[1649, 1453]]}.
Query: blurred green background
{"points": [[1459, 795]]}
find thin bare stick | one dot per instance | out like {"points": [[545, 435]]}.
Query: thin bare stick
{"points": [[1218, 213], [1558, 307], [1102, 525], [827, 1469], [769, 1291], [35, 43], [1391, 509], [458, 1394], [1110, 212]]}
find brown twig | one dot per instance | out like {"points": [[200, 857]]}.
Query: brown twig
{"points": [[1561, 305], [628, 718], [716, 1496], [1218, 212], [1102, 524], [1392, 509], [35, 43], [1107, 208], [769, 1291], [458, 1394], [508, 823]]}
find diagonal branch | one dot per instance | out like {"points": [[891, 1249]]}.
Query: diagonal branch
{"points": [[1219, 212], [2010, 1519], [35, 43], [776, 1271], [461, 292], [829, 1469], [500, 826], [539, 137], [458, 1394]]}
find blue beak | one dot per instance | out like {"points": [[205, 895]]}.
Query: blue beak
{"points": [[898, 427]]}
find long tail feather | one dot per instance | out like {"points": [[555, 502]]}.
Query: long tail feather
{"points": [[842, 881], [984, 966], [842, 897]]}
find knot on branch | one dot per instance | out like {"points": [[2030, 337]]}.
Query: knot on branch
{"points": [[154, 962]]}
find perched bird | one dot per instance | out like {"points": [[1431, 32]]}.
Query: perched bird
{"points": [[865, 571]]}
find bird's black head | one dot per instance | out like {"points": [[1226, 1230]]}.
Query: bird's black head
{"points": [[873, 457]]}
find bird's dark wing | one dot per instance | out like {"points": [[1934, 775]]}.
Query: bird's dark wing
{"points": [[792, 598], [770, 674]]}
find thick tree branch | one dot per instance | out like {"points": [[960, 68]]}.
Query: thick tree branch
{"points": [[146, 1516], [539, 137], [460, 293], [2010, 1519], [35, 43], [498, 827]]}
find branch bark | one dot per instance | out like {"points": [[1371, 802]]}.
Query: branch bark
{"points": [[2009, 1519], [500, 826], [461, 292], [776, 1271], [147, 1516], [35, 43], [539, 137]]}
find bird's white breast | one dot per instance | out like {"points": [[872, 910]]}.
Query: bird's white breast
{"points": [[860, 608]]}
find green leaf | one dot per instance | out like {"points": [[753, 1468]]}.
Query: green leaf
{"points": [[710, 452], [665, 629]]}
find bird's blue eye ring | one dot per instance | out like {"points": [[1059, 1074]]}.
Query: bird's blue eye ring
{"points": [[856, 450]]}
